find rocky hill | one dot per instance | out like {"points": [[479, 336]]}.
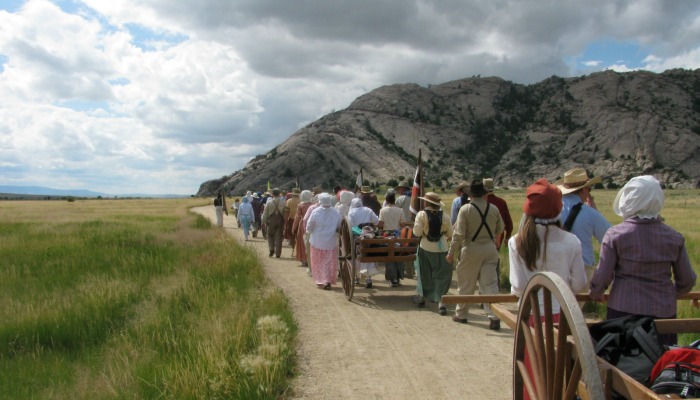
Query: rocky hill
{"points": [[616, 125]]}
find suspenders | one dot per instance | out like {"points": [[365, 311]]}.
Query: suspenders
{"points": [[483, 221]]}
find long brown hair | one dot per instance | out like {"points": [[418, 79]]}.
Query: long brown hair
{"points": [[527, 242]]}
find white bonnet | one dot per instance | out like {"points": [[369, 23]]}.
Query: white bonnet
{"points": [[356, 203], [305, 196], [346, 197], [642, 197], [324, 199]]}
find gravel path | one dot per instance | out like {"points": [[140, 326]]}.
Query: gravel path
{"points": [[379, 345]]}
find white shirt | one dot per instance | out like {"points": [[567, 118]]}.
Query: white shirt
{"points": [[392, 217], [564, 258], [362, 215], [323, 225]]}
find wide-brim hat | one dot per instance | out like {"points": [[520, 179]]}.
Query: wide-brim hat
{"points": [[576, 179], [403, 184], [460, 186], [433, 198], [488, 184], [316, 190], [295, 192], [477, 189], [366, 189], [276, 192], [256, 196]]}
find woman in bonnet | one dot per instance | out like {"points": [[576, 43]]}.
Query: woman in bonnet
{"points": [[640, 255], [323, 227], [541, 244]]}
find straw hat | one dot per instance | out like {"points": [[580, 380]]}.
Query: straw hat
{"points": [[403, 184], [366, 189], [295, 192], [488, 184], [576, 179], [461, 186], [432, 197], [316, 190]]}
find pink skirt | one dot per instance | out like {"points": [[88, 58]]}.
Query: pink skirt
{"points": [[324, 265]]}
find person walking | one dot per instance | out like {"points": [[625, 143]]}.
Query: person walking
{"points": [[290, 211], [323, 226], [640, 255], [273, 218], [234, 207], [502, 206], [299, 228], [579, 213], [245, 216], [257, 205], [360, 216], [461, 198], [434, 272], [475, 232], [220, 207], [391, 219], [403, 201]]}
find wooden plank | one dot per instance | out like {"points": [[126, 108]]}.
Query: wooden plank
{"points": [[509, 298], [506, 316]]}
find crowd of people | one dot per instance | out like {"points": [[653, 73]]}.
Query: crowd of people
{"points": [[642, 260]]}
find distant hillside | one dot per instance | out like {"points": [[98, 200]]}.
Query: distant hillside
{"points": [[39, 191], [45, 191], [616, 125]]}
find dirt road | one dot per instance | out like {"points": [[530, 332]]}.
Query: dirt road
{"points": [[379, 345]]}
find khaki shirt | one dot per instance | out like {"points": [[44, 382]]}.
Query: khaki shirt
{"points": [[291, 207], [468, 222]]}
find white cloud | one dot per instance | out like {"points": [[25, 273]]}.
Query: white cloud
{"points": [[158, 95]]}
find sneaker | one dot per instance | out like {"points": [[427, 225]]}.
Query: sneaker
{"points": [[442, 310], [327, 287], [272, 252], [394, 283], [459, 320], [495, 325], [368, 284]]}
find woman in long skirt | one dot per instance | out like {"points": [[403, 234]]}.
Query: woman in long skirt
{"points": [[299, 228], [323, 226]]}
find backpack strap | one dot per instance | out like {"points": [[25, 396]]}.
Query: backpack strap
{"points": [[572, 217], [483, 221]]}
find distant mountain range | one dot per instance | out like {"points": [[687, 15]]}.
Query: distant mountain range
{"points": [[616, 125], [46, 191]]}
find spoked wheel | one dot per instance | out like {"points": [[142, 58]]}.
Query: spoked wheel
{"points": [[347, 258], [561, 357]]}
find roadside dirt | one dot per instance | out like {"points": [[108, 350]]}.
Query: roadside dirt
{"points": [[379, 345]]}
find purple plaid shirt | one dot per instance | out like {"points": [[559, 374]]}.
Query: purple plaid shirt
{"points": [[639, 257]]}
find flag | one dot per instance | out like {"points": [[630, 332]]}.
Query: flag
{"points": [[297, 183], [358, 181], [268, 185], [418, 188]]}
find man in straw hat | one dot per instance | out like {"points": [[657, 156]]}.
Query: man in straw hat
{"points": [[477, 227], [461, 198], [290, 211], [579, 215]]}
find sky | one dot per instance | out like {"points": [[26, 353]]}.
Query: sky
{"points": [[158, 96]]}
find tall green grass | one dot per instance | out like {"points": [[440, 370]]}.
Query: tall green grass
{"points": [[135, 299]]}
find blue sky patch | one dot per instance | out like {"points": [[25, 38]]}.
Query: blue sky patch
{"points": [[11, 5], [84, 105], [3, 60], [607, 52], [150, 40]]}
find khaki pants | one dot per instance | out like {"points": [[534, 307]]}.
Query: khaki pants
{"points": [[478, 263]]}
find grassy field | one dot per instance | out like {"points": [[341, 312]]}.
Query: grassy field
{"points": [[125, 299]]}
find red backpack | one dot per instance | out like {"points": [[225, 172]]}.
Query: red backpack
{"points": [[677, 372]]}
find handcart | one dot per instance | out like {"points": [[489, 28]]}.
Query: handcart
{"points": [[562, 357], [382, 249]]}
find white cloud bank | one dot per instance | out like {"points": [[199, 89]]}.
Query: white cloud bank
{"points": [[157, 96]]}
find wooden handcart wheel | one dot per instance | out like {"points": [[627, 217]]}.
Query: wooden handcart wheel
{"points": [[347, 258], [562, 360]]}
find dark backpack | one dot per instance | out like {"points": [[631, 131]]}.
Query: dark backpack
{"points": [[677, 372], [434, 225]]}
